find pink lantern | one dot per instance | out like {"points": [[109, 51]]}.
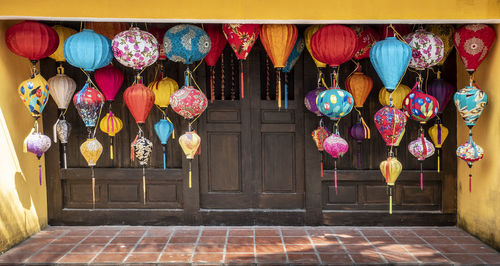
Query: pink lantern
{"points": [[422, 149], [109, 79], [188, 102], [336, 146]]}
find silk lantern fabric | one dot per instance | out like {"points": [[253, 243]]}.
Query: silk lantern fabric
{"points": [[319, 135], [218, 42], [359, 85], [445, 33], [442, 91], [473, 42], [163, 130], [110, 80], [438, 134], [390, 58], [63, 131], [143, 148], [62, 88], [398, 96], [294, 55], [190, 142], [188, 102], [334, 44], [470, 103], [367, 37], [427, 49], [335, 103], [38, 144], [139, 100], [278, 41], [391, 168], [111, 124], [32, 40], [135, 48], [63, 33], [241, 37], [419, 106], [91, 150], [34, 93], [88, 102], [163, 89], [390, 122], [310, 100], [421, 148], [308, 33], [108, 29], [470, 152], [186, 44], [336, 146], [88, 50]]}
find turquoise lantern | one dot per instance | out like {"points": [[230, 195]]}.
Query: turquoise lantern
{"points": [[186, 44], [470, 102], [335, 103], [390, 58], [88, 50], [164, 129], [290, 62]]}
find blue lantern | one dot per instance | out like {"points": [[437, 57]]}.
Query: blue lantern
{"points": [[290, 62], [88, 50], [335, 103], [164, 129], [390, 58], [186, 44], [470, 102]]}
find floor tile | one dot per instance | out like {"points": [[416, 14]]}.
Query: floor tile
{"points": [[354, 240], [437, 240], [465, 240], [176, 257], [104, 233], [271, 258], [212, 240], [328, 239], [293, 232], [83, 248], [77, 258], [209, 248], [180, 248], [142, 257], [332, 248], [299, 248], [409, 240], [110, 257], [431, 258], [449, 248], [237, 248], [68, 240], [482, 248], [427, 232], [399, 257], [156, 240], [418, 248], [303, 258], [400, 232], [239, 258], [267, 232], [374, 232], [296, 240], [268, 240], [45, 258], [269, 248], [367, 258], [125, 240], [214, 232], [377, 240], [490, 258], [82, 232], [360, 248], [17, 257], [391, 248], [234, 232], [208, 257], [463, 258], [340, 258], [149, 248], [240, 240], [54, 248], [118, 248]]}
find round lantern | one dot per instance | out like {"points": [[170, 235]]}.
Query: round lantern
{"points": [[445, 33], [422, 149], [34, 93], [62, 88], [38, 144], [110, 80], [391, 169], [359, 85], [335, 103], [218, 42], [108, 29], [470, 102], [336, 147], [310, 100], [470, 152], [390, 122], [334, 44], [308, 33], [419, 106], [163, 89], [428, 49], [398, 96], [135, 48], [88, 102], [91, 150], [473, 42], [142, 149], [111, 125], [390, 58], [163, 130], [139, 100], [32, 40], [442, 91], [188, 102], [88, 50], [63, 33], [438, 134], [186, 44], [367, 37], [190, 144]]}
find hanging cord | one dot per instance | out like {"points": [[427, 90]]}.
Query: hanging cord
{"points": [[286, 90], [223, 79], [268, 81], [233, 93]]}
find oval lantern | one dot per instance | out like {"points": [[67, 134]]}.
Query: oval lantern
{"points": [[391, 168], [34, 93], [163, 130], [419, 106], [63, 33], [442, 91], [139, 100], [335, 103], [108, 29], [88, 50], [336, 146], [88, 102], [241, 37], [111, 125], [91, 150], [390, 58], [398, 96], [427, 49], [470, 102], [386, 30], [470, 152], [135, 48], [310, 100], [110, 80], [308, 33], [142, 149], [190, 144], [359, 85], [445, 32], [473, 42], [218, 42], [32, 40], [390, 122], [422, 149], [163, 89], [62, 88], [334, 44], [188, 102], [438, 134], [186, 44], [367, 37], [38, 144]]}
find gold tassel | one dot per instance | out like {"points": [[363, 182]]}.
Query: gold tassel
{"points": [[111, 149], [144, 185], [93, 188], [279, 89], [190, 174]]}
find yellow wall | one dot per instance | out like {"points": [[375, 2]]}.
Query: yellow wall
{"points": [[23, 203], [257, 9], [479, 211]]}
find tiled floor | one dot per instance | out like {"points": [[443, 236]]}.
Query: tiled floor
{"points": [[245, 245]]}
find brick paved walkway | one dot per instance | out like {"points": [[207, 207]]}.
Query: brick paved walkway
{"points": [[245, 245]]}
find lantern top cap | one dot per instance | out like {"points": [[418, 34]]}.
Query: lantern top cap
{"points": [[89, 30]]}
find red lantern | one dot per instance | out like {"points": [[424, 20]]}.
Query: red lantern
{"points": [[32, 40], [219, 41], [334, 44], [139, 100], [473, 43], [367, 37], [109, 79]]}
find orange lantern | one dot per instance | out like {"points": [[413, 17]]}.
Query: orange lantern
{"points": [[359, 85]]}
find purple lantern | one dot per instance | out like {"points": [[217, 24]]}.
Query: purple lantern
{"points": [[310, 100], [336, 146], [38, 144], [442, 91], [359, 132]]}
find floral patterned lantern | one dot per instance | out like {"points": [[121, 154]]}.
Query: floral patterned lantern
{"points": [[419, 106], [336, 147], [62, 131], [367, 37], [91, 150], [310, 100], [34, 92], [141, 149], [391, 169], [470, 102], [445, 33], [473, 42], [135, 48], [188, 102], [390, 123], [190, 144], [398, 95], [38, 144], [470, 152], [421, 148], [428, 49], [319, 135]]}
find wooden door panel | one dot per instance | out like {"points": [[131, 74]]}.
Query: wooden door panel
{"points": [[278, 162], [224, 162]]}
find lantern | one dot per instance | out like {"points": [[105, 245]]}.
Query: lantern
{"points": [[470, 152], [336, 147], [359, 132], [387, 30], [319, 135], [334, 44], [110, 80], [32, 40], [308, 33], [473, 42], [111, 125], [442, 91], [390, 58], [391, 168], [163, 89], [188, 102], [158, 32], [108, 29], [135, 48], [359, 85], [427, 49], [422, 149], [34, 92], [367, 37], [398, 140], [63, 33], [190, 144], [62, 130], [186, 44], [38, 144], [335, 103], [445, 33], [419, 106], [142, 148], [62, 88], [290, 63], [438, 134], [164, 129], [218, 41], [390, 122], [310, 100], [398, 95], [91, 150], [470, 102], [88, 50], [88, 102], [139, 100]]}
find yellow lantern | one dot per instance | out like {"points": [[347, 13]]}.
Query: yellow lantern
{"points": [[163, 89], [391, 169], [190, 144], [91, 150], [308, 33], [63, 33], [111, 125], [398, 96], [438, 134]]}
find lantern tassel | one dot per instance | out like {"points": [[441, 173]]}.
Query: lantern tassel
{"points": [[421, 177], [336, 193], [242, 83], [286, 90], [39, 172], [470, 178], [164, 157], [321, 164], [190, 174], [212, 77], [278, 87], [55, 130], [93, 187], [439, 160], [65, 157], [222, 79], [111, 148], [387, 169], [144, 185], [359, 156], [390, 200]]}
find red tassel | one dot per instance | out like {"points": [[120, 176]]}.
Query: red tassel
{"points": [[470, 183], [424, 147], [212, 85], [387, 170], [336, 192], [421, 177], [321, 164], [242, 84]]}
